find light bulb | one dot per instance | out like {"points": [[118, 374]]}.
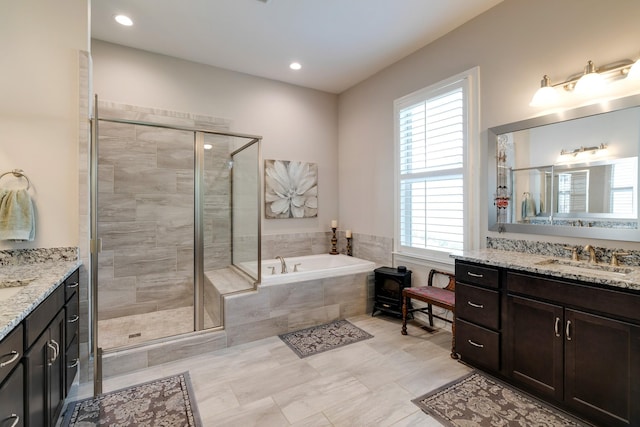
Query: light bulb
{"points": [[546, 95], [591, 82], [634, 71]]}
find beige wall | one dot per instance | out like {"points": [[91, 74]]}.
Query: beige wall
{"points": [[296, 123], [39, 41], [515, 44]]}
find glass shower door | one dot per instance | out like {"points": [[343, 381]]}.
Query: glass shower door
{"points": [[231, 220]]}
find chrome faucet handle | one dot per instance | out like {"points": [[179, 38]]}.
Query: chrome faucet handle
{"points": [[574, 252], [273, 270], [616, 255], [295, 267]]}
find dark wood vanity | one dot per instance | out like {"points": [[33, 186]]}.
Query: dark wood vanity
{"points": [[572, 343], [39, 359]]}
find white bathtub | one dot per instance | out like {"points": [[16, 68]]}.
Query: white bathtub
{"points": [[312, 267]]}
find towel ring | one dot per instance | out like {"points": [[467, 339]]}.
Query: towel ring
{"points": [[18, 173]]}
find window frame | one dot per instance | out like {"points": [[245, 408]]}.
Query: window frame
{"points": [[469, 81]]}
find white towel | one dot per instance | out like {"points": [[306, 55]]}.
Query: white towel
{"points": [[17, 218]]}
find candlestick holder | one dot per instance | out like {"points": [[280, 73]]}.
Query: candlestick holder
{"points": [[334, 242], [349, 247]]}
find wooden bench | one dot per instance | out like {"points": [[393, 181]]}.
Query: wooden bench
{"points": [[432, 295]]}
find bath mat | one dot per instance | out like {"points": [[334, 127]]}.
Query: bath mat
{"points": [[164, 402], [479, 400], [317, 339]]}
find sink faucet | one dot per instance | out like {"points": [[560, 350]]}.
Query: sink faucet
{"points": [[284, 265], [592, 254]]}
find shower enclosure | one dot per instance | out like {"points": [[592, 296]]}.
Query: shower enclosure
{"points": [[175, 216]]}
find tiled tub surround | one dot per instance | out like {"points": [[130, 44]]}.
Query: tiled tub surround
{"points": [[43, 269], [537, 263], [372, 248]]}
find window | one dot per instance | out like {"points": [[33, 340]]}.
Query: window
{"points": [[432, 144], [623, 179]]}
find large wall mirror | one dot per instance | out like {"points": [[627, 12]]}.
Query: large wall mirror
{"points": [[573, 173]]}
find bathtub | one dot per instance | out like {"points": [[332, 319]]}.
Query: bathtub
{"points": [[312, 267]]}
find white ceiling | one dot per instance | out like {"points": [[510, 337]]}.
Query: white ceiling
{"points": [[338, 42]]}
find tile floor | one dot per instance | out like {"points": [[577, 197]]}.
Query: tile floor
{"points": [[264, 383]]}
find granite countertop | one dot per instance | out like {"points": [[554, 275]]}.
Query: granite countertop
{"points": [[624, 276], [28, 286]]}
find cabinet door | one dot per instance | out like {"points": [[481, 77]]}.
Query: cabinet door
{"points": [[36, 360], [11, 399], [535, 345], [56, 368], [45, 375], [602, 368]]}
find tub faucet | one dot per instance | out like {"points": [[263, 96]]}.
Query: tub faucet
{"points": [[283, 263], [592, 254]]}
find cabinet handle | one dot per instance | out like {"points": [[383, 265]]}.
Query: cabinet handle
{"points": [[10, 361], [556, 327], [475, 344], [480, 276], [568, 330], [73, 285], [475, 305], [74, 319], [74, 364], [16, 421], [51, 360]]}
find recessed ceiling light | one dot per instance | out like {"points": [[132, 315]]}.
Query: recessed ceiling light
{"points": [[123, 20], [208, 146], [295, 66]]}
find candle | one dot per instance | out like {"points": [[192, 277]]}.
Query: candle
{"points": [[348, 233], [334, 223]]}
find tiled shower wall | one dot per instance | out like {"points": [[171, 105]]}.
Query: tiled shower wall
{"points": [[146, 212]]}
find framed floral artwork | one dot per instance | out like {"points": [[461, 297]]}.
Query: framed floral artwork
{"points": [[291, 189]]}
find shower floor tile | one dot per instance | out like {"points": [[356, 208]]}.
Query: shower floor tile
{"points": [[139, 328]]}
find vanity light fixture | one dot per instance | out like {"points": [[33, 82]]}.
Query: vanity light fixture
{"points": [[591, 150], [592, 80]]}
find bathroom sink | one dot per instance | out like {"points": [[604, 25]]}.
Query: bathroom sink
{"points": [[10, 287], [15, 283], [603, 268]]}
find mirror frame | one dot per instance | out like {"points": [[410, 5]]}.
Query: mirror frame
{"points": [[631, 235]]}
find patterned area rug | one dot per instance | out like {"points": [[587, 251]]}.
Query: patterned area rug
{"points": [[310, 341], [163, 402], [478, 400]]}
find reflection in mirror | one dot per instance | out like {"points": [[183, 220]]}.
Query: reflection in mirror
{"points": [[577, 176]]}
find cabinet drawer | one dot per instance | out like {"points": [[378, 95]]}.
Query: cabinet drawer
{"points": [[72, 318], [11, 350], [72, 361], [477, 305], [71, 285], [12, 399], [37, 321], [477, 345], [476, 275]]}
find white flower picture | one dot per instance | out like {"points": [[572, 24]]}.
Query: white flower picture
{"points": [[291, 189]]}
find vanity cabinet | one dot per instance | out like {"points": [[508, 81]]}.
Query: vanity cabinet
{"points": [[575, 344], [478, 332]]}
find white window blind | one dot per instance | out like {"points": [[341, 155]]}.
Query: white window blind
{"points": [[623, 180], [431, 170]]}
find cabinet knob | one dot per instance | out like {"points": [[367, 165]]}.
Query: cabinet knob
{"points": [[15, 357], [480, 276], [74, 319], [72, 285], [568, 330]]}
